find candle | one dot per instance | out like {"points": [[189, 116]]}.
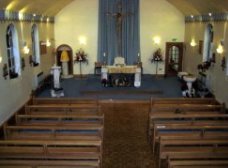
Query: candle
{"points": [[104, 54]]}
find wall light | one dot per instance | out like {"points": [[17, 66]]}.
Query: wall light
{"points": [[25, 48], [0, 59], [48, 43], [20, 16], [193, 43], [157, 40], [82, 40], [220, 49]]}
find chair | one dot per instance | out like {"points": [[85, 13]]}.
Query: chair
{"points": [[119, 61]]}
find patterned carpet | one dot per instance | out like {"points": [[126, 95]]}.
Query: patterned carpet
{"points": [[125, 137]]}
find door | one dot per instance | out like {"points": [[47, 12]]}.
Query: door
{"points": [[174, 57]]}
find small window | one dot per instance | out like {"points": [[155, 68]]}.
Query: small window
{"points": [[13, 52], [208, 43], [35, 45]]}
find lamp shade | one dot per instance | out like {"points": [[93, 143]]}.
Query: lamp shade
{"points": [[64, 56]]}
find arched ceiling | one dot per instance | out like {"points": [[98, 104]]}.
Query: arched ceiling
{"points": [[52, 7], [42, 7], [197, 7]]}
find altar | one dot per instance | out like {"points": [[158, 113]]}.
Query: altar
{"points": [[122, 75]]}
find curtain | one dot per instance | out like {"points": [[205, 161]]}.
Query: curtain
{"points": [[113, 42]]}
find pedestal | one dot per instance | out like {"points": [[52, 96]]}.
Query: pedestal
{"points": [[65, 70], [57, 91], [137, 81], [104, 73]]}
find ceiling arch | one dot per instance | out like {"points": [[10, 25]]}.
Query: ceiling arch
{"points": [[42, 7], [198, 7], [52, 7]]}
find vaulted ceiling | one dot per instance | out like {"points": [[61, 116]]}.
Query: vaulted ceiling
{"points": [[52, 7], [196, 7], [44, 7]]}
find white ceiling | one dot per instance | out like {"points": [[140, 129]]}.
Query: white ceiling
{"points": [[52, 7]]}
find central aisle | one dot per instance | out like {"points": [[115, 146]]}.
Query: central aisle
{"points": [[125, 135]]}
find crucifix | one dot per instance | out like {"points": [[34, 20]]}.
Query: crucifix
{"points": [[119, 16]]}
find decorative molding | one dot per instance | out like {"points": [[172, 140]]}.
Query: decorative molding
{"points": [[216, 17], [6, 15]]}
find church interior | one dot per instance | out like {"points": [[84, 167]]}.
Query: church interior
{"points": [[124, 84]]}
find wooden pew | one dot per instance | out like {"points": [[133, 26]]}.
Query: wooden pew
{"points": [[59, 119], [55, 132], [198, 163], [35, 163], [12, 163], [65, 101], [60, 108], [187, 116], [83, 126], [183, 101], [89, 150], [186, 107], [201, 148], [63, 133], [181, 129]]}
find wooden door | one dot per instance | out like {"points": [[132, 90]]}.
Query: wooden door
{"points": [[174, 57]]}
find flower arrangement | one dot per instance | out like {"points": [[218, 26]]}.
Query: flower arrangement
{"points": [[81, 56], [157, 56]]}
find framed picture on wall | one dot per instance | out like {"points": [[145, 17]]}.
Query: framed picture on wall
{"points": [[201, 47]]}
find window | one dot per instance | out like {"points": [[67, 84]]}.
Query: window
{"points": [[35, 45], [13, 52], [208, 43]]}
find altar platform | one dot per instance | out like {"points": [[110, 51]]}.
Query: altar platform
{"points": [[91, 87]]}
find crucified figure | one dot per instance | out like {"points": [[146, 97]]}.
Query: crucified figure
{"points": [[119, 16]]}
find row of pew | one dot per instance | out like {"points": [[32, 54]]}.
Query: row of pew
{"points": [[47, 132], [188, 133]]}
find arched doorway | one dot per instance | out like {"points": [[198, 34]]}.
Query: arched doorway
{"points": [[174, 56], [60, 49]]}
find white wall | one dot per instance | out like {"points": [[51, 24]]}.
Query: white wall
{"points": [[15, 92], [158, 18], [217, 78], [81, 18]]}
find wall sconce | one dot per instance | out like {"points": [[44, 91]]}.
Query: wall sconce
{"points": [[157, 40], [26, 50], [193, 43], [82, 40], [48, 43], [0, 60], [5, 71], [220, 49]]}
